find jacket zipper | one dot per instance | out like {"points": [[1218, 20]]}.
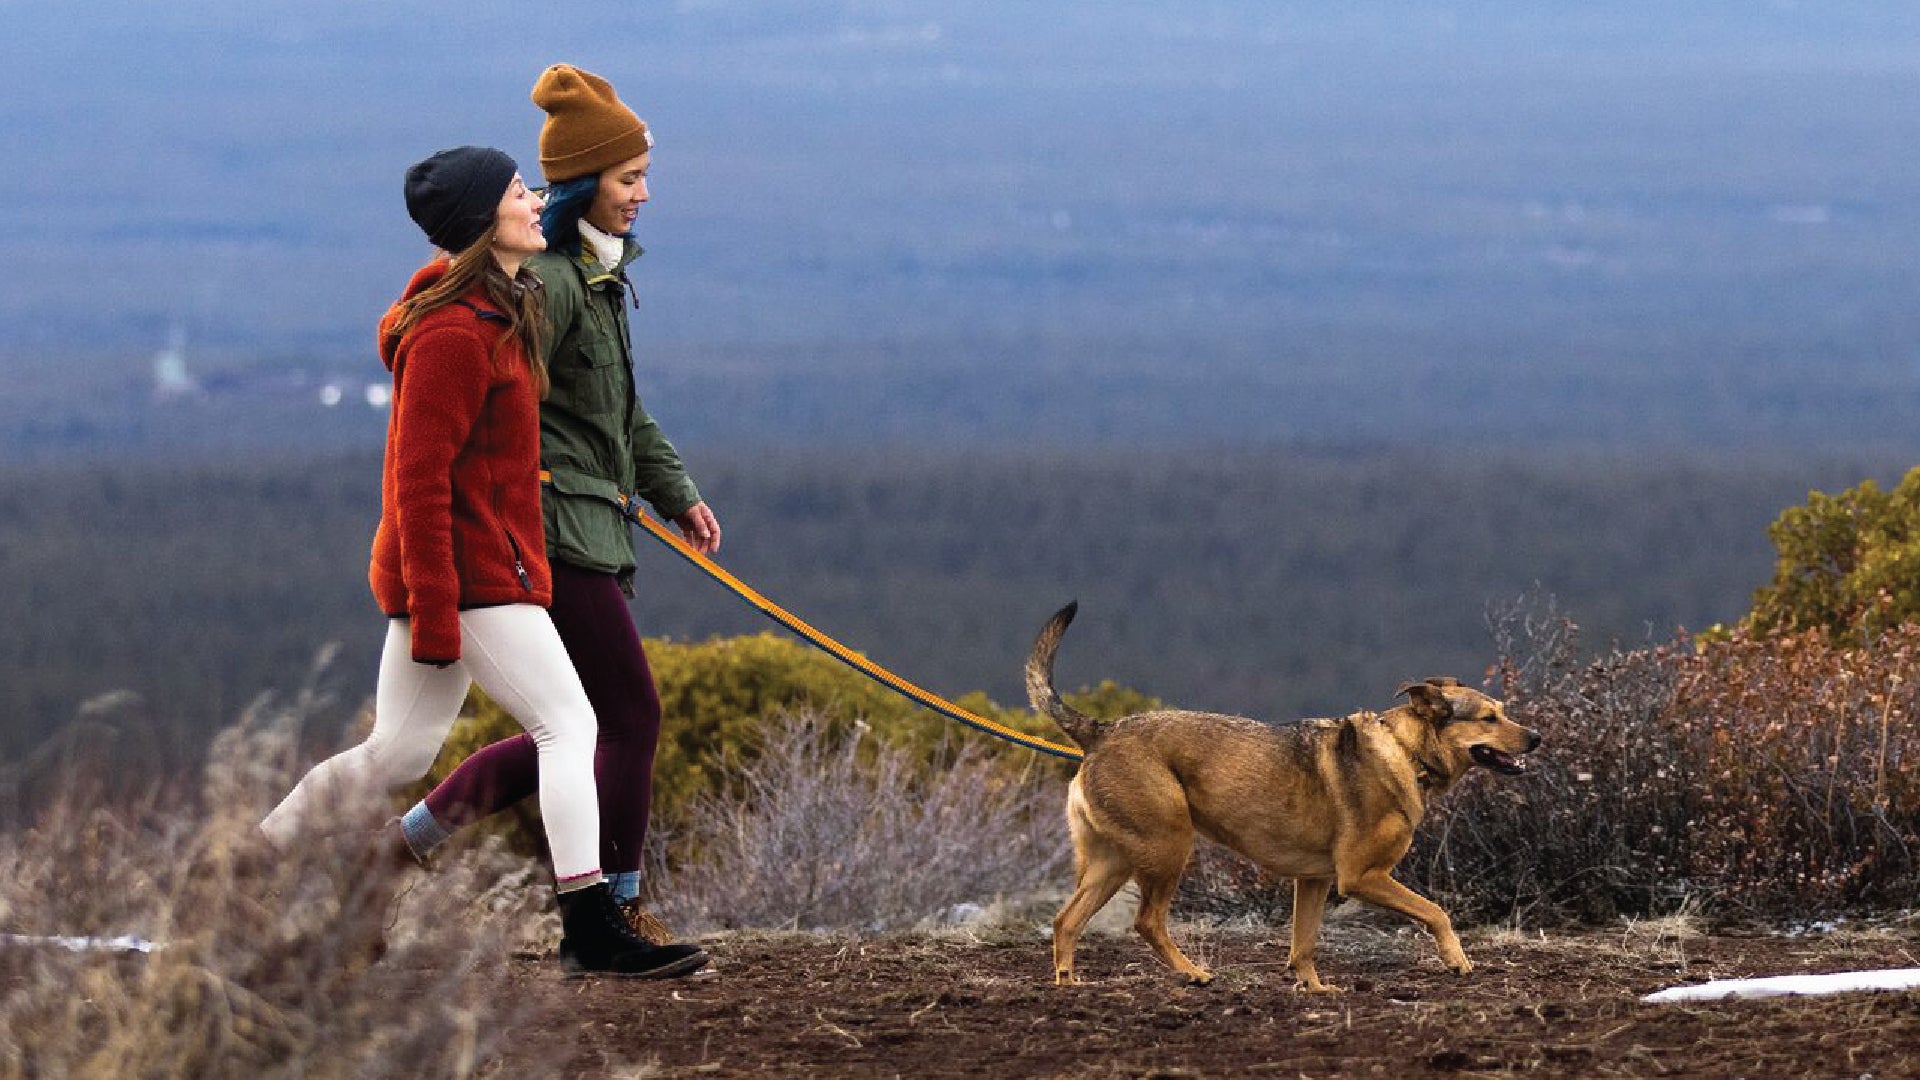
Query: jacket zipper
{"points": [[519, 568]]}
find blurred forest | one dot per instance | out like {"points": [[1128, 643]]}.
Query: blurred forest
{"points": [[164, 596]]}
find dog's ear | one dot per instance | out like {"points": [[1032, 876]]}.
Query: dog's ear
{"points": [[1429, 700]]}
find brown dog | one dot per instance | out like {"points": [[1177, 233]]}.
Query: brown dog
{"points": [[1329, 803]]}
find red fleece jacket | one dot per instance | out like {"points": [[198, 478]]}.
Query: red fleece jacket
{"points": [[460, 522]]}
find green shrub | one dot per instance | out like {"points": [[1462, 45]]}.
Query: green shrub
{"points": [[1848, 564]]}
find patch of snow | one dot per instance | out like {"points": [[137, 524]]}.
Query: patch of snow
{"points": [[962, 914], [123, 943], [1839, 982], [1810, 929]]}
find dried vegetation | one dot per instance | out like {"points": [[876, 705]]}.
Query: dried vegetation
{"points": [[254, 969]]}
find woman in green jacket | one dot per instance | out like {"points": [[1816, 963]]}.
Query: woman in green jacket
{"points": [[602, 455]]}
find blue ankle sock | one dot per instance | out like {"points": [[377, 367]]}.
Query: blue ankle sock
{"points": [[422, 830], [625, 885]]}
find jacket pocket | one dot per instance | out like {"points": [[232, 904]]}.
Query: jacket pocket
{"points": [[584, 526], [590, 380]]}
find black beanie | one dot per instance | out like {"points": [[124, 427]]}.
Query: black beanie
{"points": [[454, 194]]}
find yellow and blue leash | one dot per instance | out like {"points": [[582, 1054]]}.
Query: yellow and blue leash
{"points": [[924, 698]]}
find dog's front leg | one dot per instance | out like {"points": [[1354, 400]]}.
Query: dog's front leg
{"points": [[1377, 887], [1309, 904]]}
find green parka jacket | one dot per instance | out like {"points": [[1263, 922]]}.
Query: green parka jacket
{"points": [[596, 439]]}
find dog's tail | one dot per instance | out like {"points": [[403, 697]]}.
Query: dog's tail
{"points": [[1083, 729]]}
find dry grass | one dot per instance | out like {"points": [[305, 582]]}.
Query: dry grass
{"points": [[833, 832], [259, 971]]}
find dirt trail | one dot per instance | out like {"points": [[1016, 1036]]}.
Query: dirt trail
{"points": [[1561, 1005]]}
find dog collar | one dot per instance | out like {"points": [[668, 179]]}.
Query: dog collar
{"points": [[1428, 776]]}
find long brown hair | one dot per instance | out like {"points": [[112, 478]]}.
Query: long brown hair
{"points": [[520, 298]]}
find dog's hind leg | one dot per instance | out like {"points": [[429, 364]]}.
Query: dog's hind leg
{"points": [[1099, 869], [1159, 879], [1309, 904]]}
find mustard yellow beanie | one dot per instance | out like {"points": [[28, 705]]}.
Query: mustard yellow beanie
{"points": [[588, 129]]}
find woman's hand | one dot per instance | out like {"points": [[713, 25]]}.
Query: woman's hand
{"points": [[701, 528]]}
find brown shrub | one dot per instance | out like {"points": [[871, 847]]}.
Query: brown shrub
{"points": [[1805, 799], [1755, 776]]}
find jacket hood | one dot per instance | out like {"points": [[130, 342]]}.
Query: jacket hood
{"points": [[423, 279]]}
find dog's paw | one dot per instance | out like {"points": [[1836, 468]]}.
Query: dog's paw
{"points": [[1302, 986], [1460, 965], [1200, 978], [1064, 978]]}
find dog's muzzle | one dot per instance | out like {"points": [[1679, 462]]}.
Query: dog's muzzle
{"points": [[1499, 760]]}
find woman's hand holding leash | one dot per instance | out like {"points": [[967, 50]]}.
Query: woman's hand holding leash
{"points": [[701, 528]]}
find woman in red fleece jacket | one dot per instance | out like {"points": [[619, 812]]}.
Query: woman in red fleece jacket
{"points": [[459, 561]]}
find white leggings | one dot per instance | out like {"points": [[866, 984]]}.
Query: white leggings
{"points": [[515, 654]]}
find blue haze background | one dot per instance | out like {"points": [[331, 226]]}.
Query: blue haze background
{"points": [[1531, 222], [1567, 256]]}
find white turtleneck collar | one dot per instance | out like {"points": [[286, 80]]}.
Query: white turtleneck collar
{"points": [[604, 248]]}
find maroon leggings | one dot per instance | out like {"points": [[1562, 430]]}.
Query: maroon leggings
{"points": [[590, 611]]}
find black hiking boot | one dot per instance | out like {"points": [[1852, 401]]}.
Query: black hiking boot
{"points": [[596, 940]]}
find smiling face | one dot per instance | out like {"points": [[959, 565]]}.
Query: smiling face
{"points": [[1473, 727], [516, 226], [617, 201], [517, 221]]}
